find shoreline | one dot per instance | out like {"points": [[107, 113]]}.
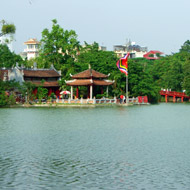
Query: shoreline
{"points": [[57, 105]]}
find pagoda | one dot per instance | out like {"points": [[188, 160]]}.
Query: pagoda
{"points": [[89, 78]]}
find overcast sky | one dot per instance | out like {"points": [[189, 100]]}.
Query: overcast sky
{"points": [[160, 25]]}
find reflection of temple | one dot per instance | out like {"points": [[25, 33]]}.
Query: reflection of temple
{"points": [[89, 78]]}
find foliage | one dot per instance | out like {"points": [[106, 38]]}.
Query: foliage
{"points": [[185, 47], [151, 55], [7, 92], [8, 59], [41, 93], [7, 28], [27, 90], [58, 46]]}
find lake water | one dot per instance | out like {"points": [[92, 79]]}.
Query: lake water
{"points": [[139, 147]]}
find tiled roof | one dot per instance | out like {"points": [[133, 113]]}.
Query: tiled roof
{"points": [[88, 74], [152, 52], [46, 84], [41, 73], [85, 82], [79, 82], [32, 41], [102, 82]]}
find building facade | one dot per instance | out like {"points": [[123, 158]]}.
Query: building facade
{"points": [[130, 47], [32, 50]]}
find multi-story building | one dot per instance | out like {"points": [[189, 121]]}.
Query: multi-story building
{"points": [[32, 50], [130, 47]]}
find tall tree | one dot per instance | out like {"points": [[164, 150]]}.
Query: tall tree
{"points": [[58, 46]]}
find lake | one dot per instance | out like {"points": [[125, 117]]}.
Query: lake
{"points": [[136, 147]]}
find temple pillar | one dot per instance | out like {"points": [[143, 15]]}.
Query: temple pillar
{"points": [[102, 90], [182, 99], [49, 91], [88, 96], [77, 92], [173, 99], [71, 92], [91, 91], [107, 91], [35, 91], [166, 98]]}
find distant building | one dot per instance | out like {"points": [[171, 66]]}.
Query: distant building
{"points": [[130, 47], [32, 50], [152, 55], [103, 48]]}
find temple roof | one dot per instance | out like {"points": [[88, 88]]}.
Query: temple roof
{"points": [[46, 83], [89, 73], [86, 82], [41, 73]]}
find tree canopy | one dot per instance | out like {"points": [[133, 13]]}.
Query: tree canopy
{"points": [[8, 58], [7, 28]]}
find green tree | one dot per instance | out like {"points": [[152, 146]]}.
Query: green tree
{"points": [[186, 79], [58, 46], [27, 90], [7, 92], [41, 93], [7, 28], [8, 58], [185, 47]]}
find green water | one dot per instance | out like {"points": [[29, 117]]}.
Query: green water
{"points": [[140, 147]]}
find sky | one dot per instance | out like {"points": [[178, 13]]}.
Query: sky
{"points": [[159, 25]]}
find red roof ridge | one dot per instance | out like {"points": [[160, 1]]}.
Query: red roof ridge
{"points": [[89, 73]]}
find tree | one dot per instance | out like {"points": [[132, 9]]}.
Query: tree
{"points": [[185, 47], [41, 93], [8, 58], [7, 28], [27, 90], [141, 82], [58, 46], [7, 92], [186, 79]]}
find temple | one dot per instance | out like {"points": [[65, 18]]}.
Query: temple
{"points": [[89, 78], [47, 78], [50, 78]]}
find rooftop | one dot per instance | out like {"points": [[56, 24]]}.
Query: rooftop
{"points": [[89, 73], [32, 41]]}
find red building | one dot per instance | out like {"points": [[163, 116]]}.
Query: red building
{"points": [[50, 78], [152, 55]]}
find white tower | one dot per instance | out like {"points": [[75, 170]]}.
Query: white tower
{"points": [[32, 49]]}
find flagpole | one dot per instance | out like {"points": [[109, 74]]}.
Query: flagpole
{"points": [[127, 98]]}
